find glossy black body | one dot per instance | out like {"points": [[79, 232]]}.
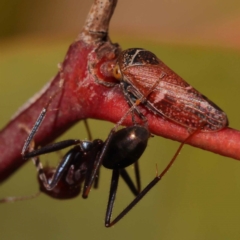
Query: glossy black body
{"points": [[81, 165]]}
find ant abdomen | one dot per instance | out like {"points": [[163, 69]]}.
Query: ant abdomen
{"points": [[126, 147]]}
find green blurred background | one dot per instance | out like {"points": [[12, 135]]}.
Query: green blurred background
{"points": [[199, 197]]}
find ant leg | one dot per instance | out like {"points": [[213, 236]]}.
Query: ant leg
{"points": [[87, 129], [15, 199], [137, 176], [113, 189], [147, 188], [96, 166], [35, 127], [61, 169], [134, 98], [124, 174], [29, 151], [131, 100], [91, 175], [93, 170], [112, 196], [63, 165], [51, 148], [96, 181], [37, 124]]}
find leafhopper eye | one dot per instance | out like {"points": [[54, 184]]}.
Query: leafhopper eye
{"points": [[117, 73]]}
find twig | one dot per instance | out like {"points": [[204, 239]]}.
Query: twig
{"points": [[78, 96]]}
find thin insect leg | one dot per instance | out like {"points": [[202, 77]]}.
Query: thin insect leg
{"points": [[132, 108], [150, 185], [96, 181], [122, 119], [155, 84], [38, 165], [96, 166], [33, 131], [137, 176], [135, 101], [51, 148], [88, 129], [112, 195], [133, 118], [124, 174], [135, 98], [16, 199], [90, 176], [134, 202], [38, 123], [131, 99], [138, 97], [35, 127], [63, 165]]}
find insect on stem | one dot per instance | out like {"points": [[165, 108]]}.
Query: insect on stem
{"points": [[147, 80]]}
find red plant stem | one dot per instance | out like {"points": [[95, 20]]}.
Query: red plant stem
{"points": [[76, 95]]}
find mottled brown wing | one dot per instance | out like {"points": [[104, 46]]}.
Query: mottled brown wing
{"points": [[174, 98]]}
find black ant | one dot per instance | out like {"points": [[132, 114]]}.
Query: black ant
{"points": [[82, 163]]}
